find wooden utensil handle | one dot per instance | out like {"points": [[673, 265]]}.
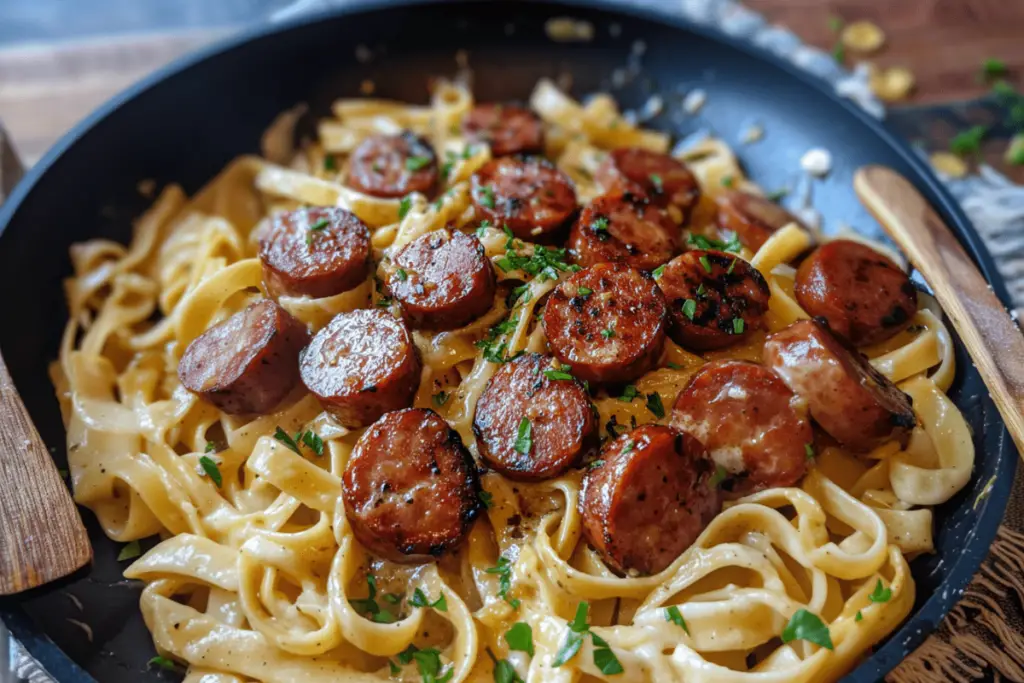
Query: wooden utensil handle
{"points": [[993, 340], [41, 536]]}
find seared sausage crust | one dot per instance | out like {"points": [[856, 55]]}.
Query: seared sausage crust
{"points": [[392, 166], [530, 196], [506, 128], [623, 229], [660, 178], [752, 218]]}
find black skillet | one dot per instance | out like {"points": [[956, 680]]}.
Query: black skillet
{"points": [[184, 123]]}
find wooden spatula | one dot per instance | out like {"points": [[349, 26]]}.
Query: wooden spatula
{"points": [[992, 339], [41, 534]]}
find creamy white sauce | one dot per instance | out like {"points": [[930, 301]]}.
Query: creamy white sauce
{"points": [[817, 161]]}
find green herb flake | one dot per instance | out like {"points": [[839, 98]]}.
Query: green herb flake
{"points": [[728, 181], [673, 615], [211, 447], [212, 471], [705, 263], [428, 662], [600, 225], [420, 599], [807, 626], [595, 464], [417, 163], [606, 661], [720, 475], [732, 266], [486, 196], [392, 598], [440, 398], [809, 451], [689, 308], [738, 325], [881, 593], [486, 499], [504, 672], [313, 442], [320, 225], [777, 195], [859, 616], [839, 52], [287, 440], [130, 551], [629, 393], [993, 68], [657, 182], [404, 206], [608, 333], [584, 291], [559, 374], [394, 668], [162, 663], [701, 242], [524, 437], [969, 141], [503, 570], [628, 448], [655, 405], [401, 275], [835, 24], [330, 164], [520, 638], [658, 272]]}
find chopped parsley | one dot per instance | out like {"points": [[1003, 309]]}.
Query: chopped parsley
{"points": [[287, 440], [313, 441], [584, 291], [486, 196], [969, 141], [604, 658], [320, 225], [993, 68], [308, 437], [732, 267], [673, 615], [440, 398], [428, 663], [658, 272], [162, 663], [839, 52], [777, 194], [401, 275], [705, 263], [211, 447], [524, 437], [420, 599], [629, 393], [720, 475], [859, 616], [129, 551], [608, 332], [700, 290], [689, 308], [520, 638], [504, 572], [559, 373], [504, 672], [493, 350], [212, 471], [628, 448], [728, 181], [738, 326], [881, 593], [657, 182], [600, 226], [655, 405], [543, 262], [701, 242], [804, 625], [368, 606], [404, 205], [487, 499], [595, 464], [330, 164], [416, 163], [809, 450]]}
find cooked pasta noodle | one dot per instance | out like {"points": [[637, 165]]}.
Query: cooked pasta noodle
{"points": [[254, 579]]}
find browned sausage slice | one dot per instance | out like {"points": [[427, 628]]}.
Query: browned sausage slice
{"points": [[362, 365], [851, 400], [249, 362], [410, 487], [751, 423], [527, 397], [508, 129], [752, 218], [531, 196], [607, 322], [648, 499], [714, 299], [659, 177], [624, 229], [392, 166], [442, 279], [862, 294], [314, 252]]}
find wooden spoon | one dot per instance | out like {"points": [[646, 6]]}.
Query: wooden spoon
{"points": [[993, 340], [41, 534]]}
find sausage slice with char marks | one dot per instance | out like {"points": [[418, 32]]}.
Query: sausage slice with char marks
{"points": [[863, 295], [846, 395], [562, 422], [316, 252], [530, 196], [392, 166], [247, 363], [648, 500], [607, 322], [442, 279], [362, 365], [752, 218], [508, 129], [753, 426], [623, 229], [714, 299], [659, 177], [410, 487]]}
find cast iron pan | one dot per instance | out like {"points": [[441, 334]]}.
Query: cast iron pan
{"points": [[186, 122]]}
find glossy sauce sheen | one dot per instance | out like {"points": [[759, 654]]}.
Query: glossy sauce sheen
{"points": [[752, 218], [563, 422], [752, 424], [506, 128], [857, 405], [443, 280], [723, 291], [410, 487], [615, 332], [623, 229], [658, 177], [863, 295], [392, 166], [647, 499], [362, 365], [316, 252], [249, 362], [530, 196]]}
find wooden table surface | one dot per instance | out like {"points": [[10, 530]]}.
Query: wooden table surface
{"points": [[45, 89]]}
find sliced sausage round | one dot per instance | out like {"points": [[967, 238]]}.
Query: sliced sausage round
{"points": [[410, 487], [442, 279], [392, 166], [362, 365], [714, 299], [648, 499], [249, 362], [752, 218], [753, 426], [623, 229], [532, 422], [506, 128], [606, 322], [863, 295], [315, 252], [530, 196], [857, 405], [659, 177]]}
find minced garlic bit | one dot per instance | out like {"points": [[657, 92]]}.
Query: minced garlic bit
{"points": [[567, 29], [817, 162], [892, 84], [752, 134], [694, 100], [862, 36], [949, 164]]}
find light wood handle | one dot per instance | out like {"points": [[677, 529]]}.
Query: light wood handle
{"points": [[993, 340]]}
